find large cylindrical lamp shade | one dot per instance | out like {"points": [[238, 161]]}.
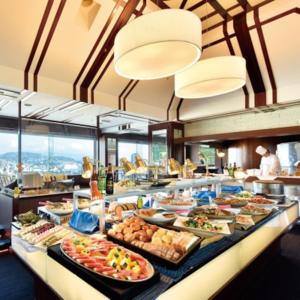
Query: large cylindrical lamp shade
{"points": [[211, 77], [158, 44]]}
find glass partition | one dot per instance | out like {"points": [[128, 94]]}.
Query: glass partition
{"points": [[8, 153], [111, 151], [159, 147], [130, 149], [50, 154], [55, 148]]}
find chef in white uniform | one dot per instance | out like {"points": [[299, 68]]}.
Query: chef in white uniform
{"points": [[270, 164]]}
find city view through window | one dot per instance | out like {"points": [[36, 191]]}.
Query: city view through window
{"points": [[129, 150], [44, 153]]}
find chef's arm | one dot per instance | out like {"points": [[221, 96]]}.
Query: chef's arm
{"points": [[275, 168]]}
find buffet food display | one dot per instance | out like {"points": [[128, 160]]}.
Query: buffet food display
{"points": [[163, 243], [170, 203], [233, 202], [41, 232], [107, 258], [212, 212], [156, 216], [255, 210], [166, 234], [59, 208], [202, 226]]}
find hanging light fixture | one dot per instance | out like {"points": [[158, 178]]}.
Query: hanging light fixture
{"points": [[211, 77], [158, 44]]}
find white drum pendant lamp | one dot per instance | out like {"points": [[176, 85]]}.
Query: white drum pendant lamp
{"points": [[158, 44], [211, 77]]}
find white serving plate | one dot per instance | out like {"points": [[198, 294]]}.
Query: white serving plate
{"points": [[270, 206], [157, 218], [200, 232], [60, 212], [177, 207]]}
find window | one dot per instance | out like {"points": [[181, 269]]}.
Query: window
{"points": [[8, 153], [46, 153], [111, 151], [159, 149], [209, 153], [130, 149]]}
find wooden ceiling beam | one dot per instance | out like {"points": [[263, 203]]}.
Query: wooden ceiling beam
{"points": [[244, 39], [107, 47], [37, 41], [219, 9], [170, 105], [244, 4], [195, 6], [183, 3], [161, 4]]}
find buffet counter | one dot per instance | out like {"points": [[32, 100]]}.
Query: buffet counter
{"points": [[202, 275], [11, 206], [287, 180]]}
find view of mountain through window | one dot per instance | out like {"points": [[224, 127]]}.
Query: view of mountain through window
{"points": [[44, 153]]}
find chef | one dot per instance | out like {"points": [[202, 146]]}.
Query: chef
{"points": [[270, 164]]}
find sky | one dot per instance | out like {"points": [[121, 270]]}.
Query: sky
{"points": [[69, 147]]}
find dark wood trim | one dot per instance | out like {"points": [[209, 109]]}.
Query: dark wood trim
{"points": [[123, 92], [282, 131], [183, 3], [137, 13], [127, 94], [109, 20], [248, 52], [230, 18], [169, 106], [231, 50], [106, 48], [178, 109], [36, 41], [265, 54], [244, 4], [19, 134], [161, 4], [195, 6], [169, 126], [284, 14], [100, 77], [98, 136], [47, 43], [218, 41], [220, 9]]}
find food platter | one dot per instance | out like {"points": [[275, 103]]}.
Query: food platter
{"points": [[262, 202], [156, 216], [212, 212], [84, 203], [59, 208], [255, 211], [107, 259], [207, 228], [175, 205], [170, 247], [233, 202]]}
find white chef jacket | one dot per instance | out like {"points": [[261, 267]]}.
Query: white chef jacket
{"points": [[270, 165]]}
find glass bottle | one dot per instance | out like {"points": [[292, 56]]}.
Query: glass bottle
{"points": [[102, 179], [109, 181]]}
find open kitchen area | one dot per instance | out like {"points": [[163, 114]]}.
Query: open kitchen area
{"points": [[149, 149]]}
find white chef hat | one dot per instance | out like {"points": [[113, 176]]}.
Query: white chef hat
{"points": [[261, 150]]}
